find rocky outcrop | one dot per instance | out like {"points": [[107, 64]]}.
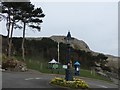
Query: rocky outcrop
{"points": [[80, 44], [75, 43], [113, 62]]}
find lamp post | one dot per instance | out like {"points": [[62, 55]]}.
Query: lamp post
{"points": [[68, 76]]}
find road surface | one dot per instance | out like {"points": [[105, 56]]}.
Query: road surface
{"points": [[34, 79]]}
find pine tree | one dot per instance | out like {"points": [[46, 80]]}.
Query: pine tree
{"points": [[31, 17]]}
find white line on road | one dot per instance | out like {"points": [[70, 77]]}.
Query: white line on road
{"points": [[32, 78], [29, 78], [102, 86], [37, 78]]}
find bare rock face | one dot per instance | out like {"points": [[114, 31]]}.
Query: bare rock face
{"points": [[75, 43], [80, 44], [113, 62]]}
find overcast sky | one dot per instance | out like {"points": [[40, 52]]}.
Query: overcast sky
{"points": [[96, 23]]}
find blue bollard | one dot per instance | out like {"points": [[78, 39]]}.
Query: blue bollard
{"points": [[77, 68]]}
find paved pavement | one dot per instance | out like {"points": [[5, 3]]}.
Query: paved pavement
{"points": [[34, 79]]}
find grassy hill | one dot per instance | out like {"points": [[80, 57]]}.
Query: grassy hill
{"points": [[46, 48]]}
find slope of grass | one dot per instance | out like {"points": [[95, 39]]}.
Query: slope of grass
{"points": [[42, 65]]}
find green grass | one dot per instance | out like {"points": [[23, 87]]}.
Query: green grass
{"points": [[39, 64], [87, 73], [43, 67]]}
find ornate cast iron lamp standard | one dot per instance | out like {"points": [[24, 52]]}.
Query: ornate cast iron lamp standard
{"points": [[68, 76]]}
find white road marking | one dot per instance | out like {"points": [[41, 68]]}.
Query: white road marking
{"points": [[29, 78], [37, 78], [32, 78], [102, 86]]}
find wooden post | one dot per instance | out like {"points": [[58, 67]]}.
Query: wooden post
{"points": [[41, 66]]}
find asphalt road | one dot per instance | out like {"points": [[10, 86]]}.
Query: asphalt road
{"points": [[34, 79]]}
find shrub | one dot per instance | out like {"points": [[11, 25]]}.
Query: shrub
{"points": [[8, 62], [76, 83], [12, 64]]}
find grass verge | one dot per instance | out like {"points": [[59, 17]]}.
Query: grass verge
{"points": [[41, 65]]}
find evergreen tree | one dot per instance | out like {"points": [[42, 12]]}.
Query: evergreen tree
{"points": [[9, 12], [31, 17]]}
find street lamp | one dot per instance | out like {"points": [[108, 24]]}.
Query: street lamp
{"points": [[68, 76]]}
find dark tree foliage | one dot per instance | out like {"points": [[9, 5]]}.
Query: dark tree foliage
{"points": [[24, 12], [17, 45], [27, 14], [47, 48], [119, 73], [9, 12]]}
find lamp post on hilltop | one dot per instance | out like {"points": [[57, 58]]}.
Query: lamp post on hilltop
{"points": [[68, 76]]}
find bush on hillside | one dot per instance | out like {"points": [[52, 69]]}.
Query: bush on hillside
{"points": [[8, 62], [12, 64]]}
